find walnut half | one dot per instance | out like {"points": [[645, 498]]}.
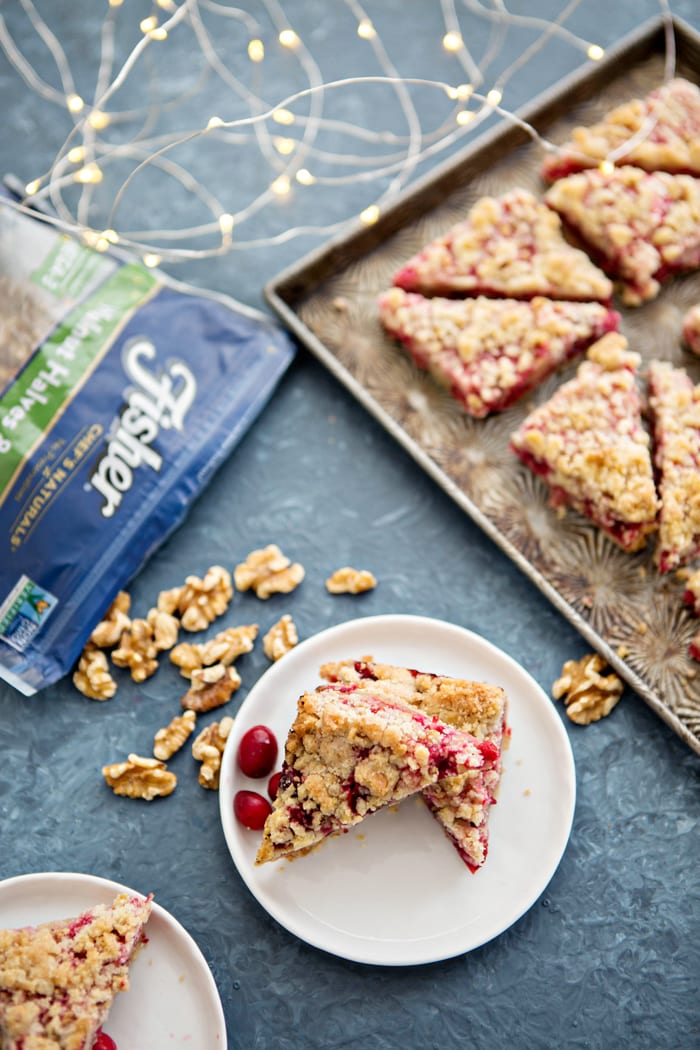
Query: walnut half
{"points": [[92, 677], [281, 638], [208, 749], [350, 581], [587, 693], [171, 738], [268, 571], [138, 777]]}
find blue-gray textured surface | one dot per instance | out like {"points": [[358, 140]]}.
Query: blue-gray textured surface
{"points": [[608, 957]]}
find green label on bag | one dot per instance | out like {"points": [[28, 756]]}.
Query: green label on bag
{"points": [[69, 268], [64, 363]]}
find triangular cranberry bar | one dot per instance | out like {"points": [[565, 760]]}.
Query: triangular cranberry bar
{"points": [[675, 405], [350, 753], [660, 132], [641, 227], [588, 443], [58, 980], [488, 352], [460, 804], [508, 247]]}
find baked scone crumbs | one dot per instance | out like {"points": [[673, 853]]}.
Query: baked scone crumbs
{"points": [[691, 329], [351, 581], [587, 694], [281, 638]]}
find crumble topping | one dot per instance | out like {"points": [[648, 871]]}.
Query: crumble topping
{"points": [[58, 980], [460, 804], [489, 352], [667, 122], [645, 226], [507, 246], [349, 753], [589, 445], [675, 405]]}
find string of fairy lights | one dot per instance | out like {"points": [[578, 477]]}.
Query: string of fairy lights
{"points": [[290, 133]]}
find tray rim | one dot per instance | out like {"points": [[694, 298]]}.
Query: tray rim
{"points": [[278, 292]]}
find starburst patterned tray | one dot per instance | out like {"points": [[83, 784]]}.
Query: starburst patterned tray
{"points": [[634, 617]]}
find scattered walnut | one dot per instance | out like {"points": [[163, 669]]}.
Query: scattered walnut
{"points": [[281, 637], [92, 677], [116, 620], [137, 651], [168, 600], [588, 695], [140, 778], [211, 687], [201, 601], [350, 581], [208, 749], [223, 648], [171, 738], [165, 628], [268, 571]]}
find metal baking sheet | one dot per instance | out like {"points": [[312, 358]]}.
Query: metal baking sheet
{"points": [[634, 617]]}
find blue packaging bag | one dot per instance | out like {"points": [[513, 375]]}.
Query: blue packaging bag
{"points": [[121, 392]]}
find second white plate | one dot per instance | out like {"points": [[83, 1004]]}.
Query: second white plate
{"points": [[393, 891], [172, 1000]]}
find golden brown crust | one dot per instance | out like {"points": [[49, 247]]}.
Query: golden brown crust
{"points": [[508, 246], [58, 980], [675, 404], [589, 444]]}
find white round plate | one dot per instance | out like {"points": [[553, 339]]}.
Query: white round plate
{"points": [[172, 1000], [393, 891]]}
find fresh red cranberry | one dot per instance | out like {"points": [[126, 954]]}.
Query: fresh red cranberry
{"points": [[273, 785], [251, 809], [103, 1041], [257, 752]]}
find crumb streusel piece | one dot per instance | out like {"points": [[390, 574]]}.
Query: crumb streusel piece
{"points": [[460, 804], [350, 753], [58, 980], [488, 352], [588, 444], [644, 227], [660, 132], [675, 405], [509, 247]]}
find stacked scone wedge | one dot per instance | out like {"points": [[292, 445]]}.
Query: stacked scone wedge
{"points": [[377, 734]]}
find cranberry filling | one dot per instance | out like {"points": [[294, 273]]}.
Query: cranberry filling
{"points": [[364, 671]]}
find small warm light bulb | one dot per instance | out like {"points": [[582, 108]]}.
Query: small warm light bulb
{"points": [[288, 38], [366, 30], [116, 3], [464, 92], [76, 154], [283, 116], [280, 187], [494, 97], [101, 244], [167, 5], [32, 187], [370, 215], [595, 52], [284, 146], [90, 173], [465, 116], [147, 25], [452, 41], [305, 177], [158, 33], [214, 122], [74, 103], [226, 222], [111, 235], [607, 167], [150, 259], [256, 50], [98, 119]]}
